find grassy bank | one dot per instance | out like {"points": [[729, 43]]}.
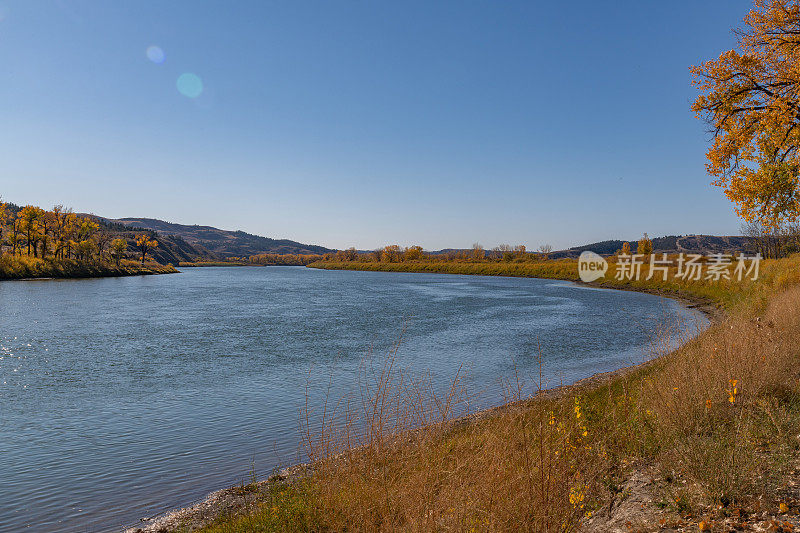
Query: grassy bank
{"points": [[707, 433], [23, 267], [727, 294]]}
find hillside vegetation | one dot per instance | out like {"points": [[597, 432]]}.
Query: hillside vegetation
{"points": [[223, 244], [179, 243], [37, 243]]}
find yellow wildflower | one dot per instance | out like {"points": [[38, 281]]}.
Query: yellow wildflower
{"points": [[733, 391], [576, 496]]}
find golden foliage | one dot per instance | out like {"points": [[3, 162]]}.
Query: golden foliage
{"points": [[58, 233], [645, 245], [35, 242], [145, 244], [118, 249], [751, 98], [285, 259]]}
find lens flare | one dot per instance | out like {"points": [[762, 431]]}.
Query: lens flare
{"points": [[189, 85], [155, 54]]}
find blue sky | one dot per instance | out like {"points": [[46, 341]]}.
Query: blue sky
{"points": [[367, 123]]}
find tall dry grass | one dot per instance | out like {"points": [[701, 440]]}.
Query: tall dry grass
{"points": [[395, 456], [726, 406]]}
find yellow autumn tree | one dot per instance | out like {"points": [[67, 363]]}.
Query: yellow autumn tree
{"points": [[4, 218], [118, 249], [85, 245], [145, 244], [390, 254], [751, 99], [413, 253], [351, 254], [644, 246], [15, 235], [64, 227], [30, 217]]}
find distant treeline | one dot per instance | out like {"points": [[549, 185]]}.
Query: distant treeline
{"points": [[397, 254], [285, 259]]}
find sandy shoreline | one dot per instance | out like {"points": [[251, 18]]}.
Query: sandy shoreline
{"points": [[233, 499]]}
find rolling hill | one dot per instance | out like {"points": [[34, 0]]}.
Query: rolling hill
{"points": [[695, 244], [690, 244], [221, 244]]}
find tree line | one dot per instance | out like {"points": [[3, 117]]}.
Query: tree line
{"points": [[395, 253], [776, 241], [285, 259], [60, 233]]}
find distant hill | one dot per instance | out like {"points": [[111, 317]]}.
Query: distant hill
{"points": [[222, 244], [190, 243], [171, 248], [695, 244]]}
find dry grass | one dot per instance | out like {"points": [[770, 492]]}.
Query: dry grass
{"points": [[24, 267], [719, 417], [726, 407]]}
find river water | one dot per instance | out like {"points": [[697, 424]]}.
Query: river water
{"points": [[123, 397]]}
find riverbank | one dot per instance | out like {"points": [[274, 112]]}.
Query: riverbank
{"points": [[711, 295], [226, 508], [706, 433], [19, 268]]}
